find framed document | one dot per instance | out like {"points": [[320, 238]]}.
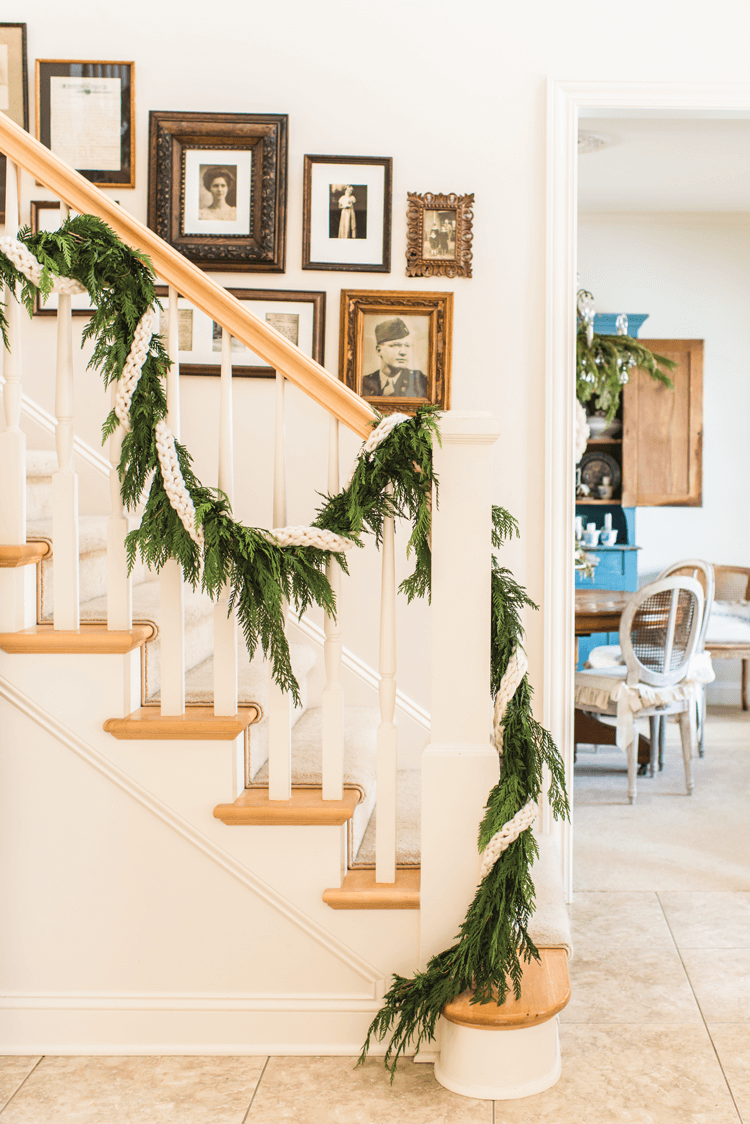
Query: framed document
{"points": [[45, 215], [85, 113], [346, 218], [217, 188], [298, 315], [14, 86]]}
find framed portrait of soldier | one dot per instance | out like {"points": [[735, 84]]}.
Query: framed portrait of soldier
{"points": [[217, 188], [439, 235], [395, 348], [346, 221]]}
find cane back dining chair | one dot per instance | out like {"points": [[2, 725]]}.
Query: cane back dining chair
{"points": [[659, 632]]}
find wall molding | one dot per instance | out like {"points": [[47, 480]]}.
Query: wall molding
{"points": [[95, 1001], [188, 832]]}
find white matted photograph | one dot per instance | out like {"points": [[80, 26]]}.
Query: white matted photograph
{"points": [[46, 215], [347, 213], [217, 191], [297, 315]]}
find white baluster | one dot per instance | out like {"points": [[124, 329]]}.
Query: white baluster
{"points": [[17, 583], [65, 480], [171, 588], [119, 585], [333, 692], [387, 759], [225, 624], [279, 702]]}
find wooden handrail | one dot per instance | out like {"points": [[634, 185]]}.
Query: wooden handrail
{"points": [[191, 282]]}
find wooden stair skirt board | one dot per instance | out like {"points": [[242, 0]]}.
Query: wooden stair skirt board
{"points": [[27, 554], [476, 1062], [306, 808], [89, 639], [198, 723], [361, 891]]}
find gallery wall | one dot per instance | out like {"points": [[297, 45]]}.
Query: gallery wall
{"points": [[457, 97], [691, 274]]}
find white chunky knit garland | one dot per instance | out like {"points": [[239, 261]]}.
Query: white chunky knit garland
{"points": [[524, 818], [27, 264]]}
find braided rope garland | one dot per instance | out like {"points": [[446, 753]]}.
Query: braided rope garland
{"points": [[31, 268], [524, 817]]}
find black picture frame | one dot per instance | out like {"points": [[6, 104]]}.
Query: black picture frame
{"points": [[259, 139], [319, 243], [13, 36], [36, 209], [47, 69]]}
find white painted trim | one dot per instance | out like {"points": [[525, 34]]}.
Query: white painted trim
{"points": [[187, 831], [48, 423], [199, 1050], [565, 99], [85, 1001], [363, 671]]}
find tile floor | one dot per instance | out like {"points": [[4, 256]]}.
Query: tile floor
{"points": [[657, 1032]]}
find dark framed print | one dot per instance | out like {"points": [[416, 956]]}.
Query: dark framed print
{"points": [[85, 113], [297, 315], [46, 215], [14, 86], [217, 188], [438, 235], [395, 348], [346, 218]]}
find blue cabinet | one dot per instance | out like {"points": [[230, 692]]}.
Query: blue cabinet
{"points": [[617, 565]]}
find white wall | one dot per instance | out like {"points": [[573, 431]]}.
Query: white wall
{"points": [[691, 274]]}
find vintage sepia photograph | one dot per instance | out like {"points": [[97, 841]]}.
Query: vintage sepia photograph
{"points": [[348, 210], [346, 218], [217, 188], [395, 347], [439, 235], [184, 327]]}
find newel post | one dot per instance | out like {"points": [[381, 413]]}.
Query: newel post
{"points": [[460, 765]]}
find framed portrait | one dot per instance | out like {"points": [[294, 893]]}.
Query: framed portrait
{"points": [[297, 315], [395, 348], [217, 188], [85, 113], [438, 235], [14, 86], [347, 213], [46, 215]]}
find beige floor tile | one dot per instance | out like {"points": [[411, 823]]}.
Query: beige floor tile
{"points": [[732, 1042], [721, 981], [701, 920], [629, 986], [332, 1091], [14, 1070], [630, 1075], [137, 1090], [627, 920]]}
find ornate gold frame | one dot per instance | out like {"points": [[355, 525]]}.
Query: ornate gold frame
{"points": [[417, 265]]}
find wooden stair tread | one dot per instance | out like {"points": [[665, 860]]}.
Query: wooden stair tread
{"points": [[545, 990], [26, 554], [360, 891], [89, 639], [198, 723], [306, 807]]}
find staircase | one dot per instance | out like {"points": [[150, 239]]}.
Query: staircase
{"points": [[195, 864]]}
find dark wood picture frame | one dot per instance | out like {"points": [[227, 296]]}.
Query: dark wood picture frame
{"points": [[13, 36], [439, 251], [46, 69], [171, 137], [309, 220], [359, 310], [36, 206], [289, 296]]}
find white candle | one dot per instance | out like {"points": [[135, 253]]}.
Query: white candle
{"points": [[591, 526], [608, 521]]}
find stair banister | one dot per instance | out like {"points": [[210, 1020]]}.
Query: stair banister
{"points": [[195, 285], [279, 702], [225, 623], [387, 743], [119, 581], [332, 702], [171, 585]]}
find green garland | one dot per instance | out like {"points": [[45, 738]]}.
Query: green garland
{"points": [[396, 479], [603, 366]]}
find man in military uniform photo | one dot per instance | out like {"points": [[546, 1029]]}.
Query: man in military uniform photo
{"points": [[395, 378]]}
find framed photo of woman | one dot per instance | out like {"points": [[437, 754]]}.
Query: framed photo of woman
{"points": [[217, 188], [347, 213]]}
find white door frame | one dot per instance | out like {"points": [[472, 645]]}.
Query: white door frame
{"points": [[564, 100]]}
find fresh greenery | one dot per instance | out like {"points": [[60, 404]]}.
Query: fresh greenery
{"points": [[603, 365], [396, 479]]}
